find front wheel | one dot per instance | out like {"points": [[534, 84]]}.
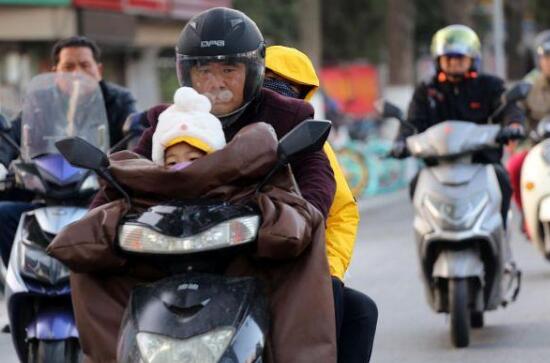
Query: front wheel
{"points": [[46, 351], [459, 312]]}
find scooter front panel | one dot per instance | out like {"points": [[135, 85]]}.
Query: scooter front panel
{"points": [[442, 220], [187, 305]]}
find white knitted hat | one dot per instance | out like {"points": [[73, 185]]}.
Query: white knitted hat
{"points": [[187, 120]]}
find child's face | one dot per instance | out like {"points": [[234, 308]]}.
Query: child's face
{"points": [[180, 153]]}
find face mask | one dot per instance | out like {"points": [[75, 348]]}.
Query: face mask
{"points": [[180, 166], [219, 96], [281, 87]]}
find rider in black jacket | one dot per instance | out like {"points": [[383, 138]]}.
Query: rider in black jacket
{"points": [[458, 92], [74, 54]]}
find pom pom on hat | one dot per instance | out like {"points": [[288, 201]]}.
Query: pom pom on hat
{"points": [[187, 120], [187, 99]]}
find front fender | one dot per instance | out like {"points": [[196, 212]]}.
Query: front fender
{"points": [[52, 324], [459, 264]]}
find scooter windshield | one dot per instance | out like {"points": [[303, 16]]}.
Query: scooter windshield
{"points": [[9, 108], [60, 105], [452, 138]]}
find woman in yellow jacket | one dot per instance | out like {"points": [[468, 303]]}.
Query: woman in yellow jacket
{"points": [[291, 73]]}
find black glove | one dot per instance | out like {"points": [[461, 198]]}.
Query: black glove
{"points": [[512, 132], [399, 150]]}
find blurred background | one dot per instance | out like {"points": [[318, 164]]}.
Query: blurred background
{"points": [[363, 50]]}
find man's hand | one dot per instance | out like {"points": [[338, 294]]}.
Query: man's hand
{"points": [[399, 150], [511, 132]]}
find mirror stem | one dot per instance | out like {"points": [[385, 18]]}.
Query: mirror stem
{"points": [[409, 125], [104, 173], [280, 164], [497, 112], [10, 141], [120, 145]]}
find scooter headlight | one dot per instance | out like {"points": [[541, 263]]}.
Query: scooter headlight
{"points": [[457, 213], [205, 348], [136, 238]]}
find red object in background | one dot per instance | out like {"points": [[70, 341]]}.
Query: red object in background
{"points": [[114, 5], [147, 6], [187, 8], [355, 87], [475, 105], [177, 8], [141, 6]]}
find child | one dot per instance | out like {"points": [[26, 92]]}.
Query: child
{"points": [[186, 131]]}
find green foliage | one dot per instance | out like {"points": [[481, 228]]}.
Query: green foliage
{"points": [[355, 29], [429, 19], [541, 12], [352, 29], [277, 19]]}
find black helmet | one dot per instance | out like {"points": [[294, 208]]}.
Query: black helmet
{"points": [[223, 35]]}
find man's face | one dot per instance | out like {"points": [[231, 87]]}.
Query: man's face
{"points": [[78, 59], [544, 63], [455, 65], [222, 83]]}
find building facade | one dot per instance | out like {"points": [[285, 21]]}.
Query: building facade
{"points": [[137, 39]]}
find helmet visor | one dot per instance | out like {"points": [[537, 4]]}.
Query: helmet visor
{"points": [[543, 49], [229, 81], [456, 41]]}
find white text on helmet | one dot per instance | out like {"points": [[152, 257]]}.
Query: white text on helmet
{"points": [[210, 43]]}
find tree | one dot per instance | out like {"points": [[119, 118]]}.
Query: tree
{"points": [[275, 18], [517, 51], [310, 34], [400, 23], [353, 30], [459, 12]]}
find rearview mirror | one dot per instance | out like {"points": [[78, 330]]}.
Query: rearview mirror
{"points": [[308, 136], [389, 110], [80, 153], [517, 93]]}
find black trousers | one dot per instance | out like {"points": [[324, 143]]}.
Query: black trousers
{"points": [[356, 319], [505, 189]]}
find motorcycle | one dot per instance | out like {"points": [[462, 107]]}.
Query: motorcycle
{"points": [[462, 245], [535, 189], [196, 314], [37, 288]]}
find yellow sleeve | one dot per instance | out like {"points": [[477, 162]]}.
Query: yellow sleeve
{"points": [[342, 221]]}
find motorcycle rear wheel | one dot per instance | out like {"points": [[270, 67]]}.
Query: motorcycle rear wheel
{"points": [[459, 312]]}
